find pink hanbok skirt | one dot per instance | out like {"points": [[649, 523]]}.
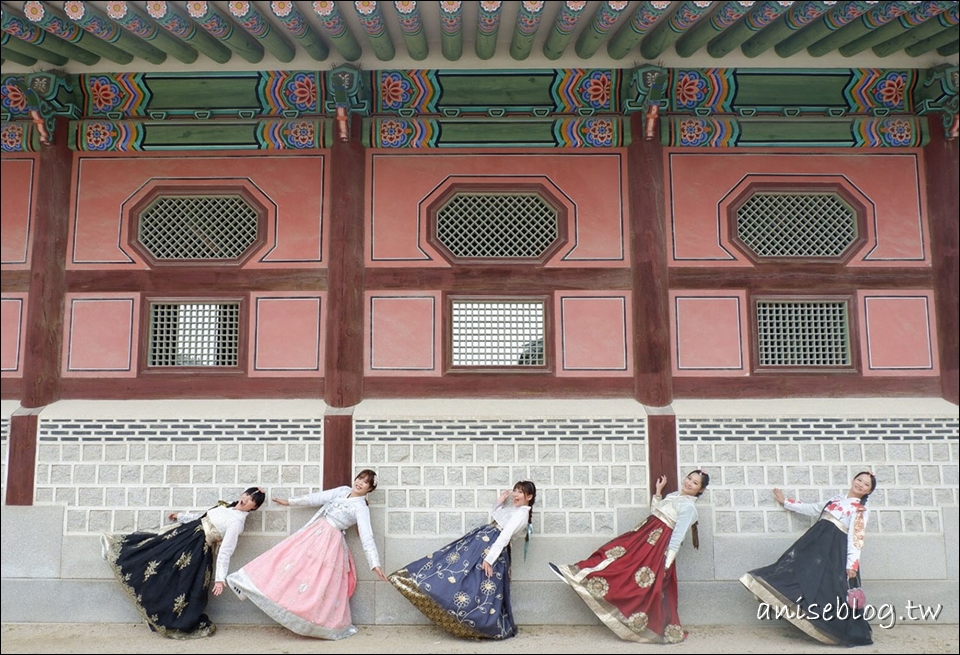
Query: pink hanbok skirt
{"points": [[303, 583]]}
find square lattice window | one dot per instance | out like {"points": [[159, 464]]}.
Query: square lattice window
{"points": [[803, 333], [194, 334], [500, 333]]}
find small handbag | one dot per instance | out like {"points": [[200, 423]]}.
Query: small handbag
{"points": [[856, 599]]}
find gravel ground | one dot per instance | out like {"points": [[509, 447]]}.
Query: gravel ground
{"points": [[777, 638]]}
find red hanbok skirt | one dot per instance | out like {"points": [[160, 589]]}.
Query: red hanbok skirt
{"points": [[625, 584]]}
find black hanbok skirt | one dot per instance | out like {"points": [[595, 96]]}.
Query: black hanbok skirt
{"points": [[167, 575], [808, 587]]}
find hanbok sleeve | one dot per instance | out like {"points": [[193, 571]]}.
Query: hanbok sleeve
{"points": [[807, 509], [855, 538], [514, 525], [186, 517], [317, 498], [686, 516], [366, 536], [227, 546]]}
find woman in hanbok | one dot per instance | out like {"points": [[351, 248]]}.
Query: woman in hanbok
{"points": [[630, 583], [305, 582], [808, 585], [168, 574], [465, 586]]}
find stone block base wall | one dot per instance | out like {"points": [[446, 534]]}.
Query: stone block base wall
{"points": [[123, 466]]}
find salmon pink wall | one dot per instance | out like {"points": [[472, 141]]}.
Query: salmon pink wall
{"points": [[402, 333], [287, 335], [710, 334], [13, 316], [102, 332], [291, 186], [16, 210], [700, 184], [593, 334], [401, 186], [898, 333]]}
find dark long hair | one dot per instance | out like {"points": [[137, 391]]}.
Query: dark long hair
{"points": [[256, 493], [873, 485], [529, 489]]}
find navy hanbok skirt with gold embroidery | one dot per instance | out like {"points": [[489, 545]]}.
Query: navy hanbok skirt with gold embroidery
{"points": [[167, 575], [451, 589]]}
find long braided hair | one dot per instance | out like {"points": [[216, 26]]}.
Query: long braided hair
{"points": [[528, 488]]}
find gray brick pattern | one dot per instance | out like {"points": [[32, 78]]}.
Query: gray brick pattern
{"points": [[442, 476], [121, 476], [811, 459]]}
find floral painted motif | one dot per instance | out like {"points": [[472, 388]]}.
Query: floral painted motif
{"points": [[890, 91], [11, 137], [693, 132], [394, 90], [301, 134], [898, 132], [14, 99], [394, 133], [691, 89], [596, 89], [599, 132], [301, 92], [105, 94]]}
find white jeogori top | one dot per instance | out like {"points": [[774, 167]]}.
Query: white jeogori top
{"points": [[679, 508], [230, 523], [845, 511], [342, 511], [512, 521]]}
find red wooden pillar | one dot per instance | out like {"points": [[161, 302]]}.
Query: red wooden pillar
{"points": [[943, 207], [43, 339], [653, 379], [343, 362]]}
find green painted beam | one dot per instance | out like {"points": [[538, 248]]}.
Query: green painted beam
{"points": [[562, 31], [630, 33], [260, 27], [15, 56], [174, 20], [938, 41], [944, 20], [128, 16], [840, 15], [221, 27], [872, 20], [103, 39], [371, 20], [949, 49], [796, 18], [411, 28], [725, 15], [34, 52], [451, 30], [488, 26], [667, 31], [298, 27], [762, 15], [604, 19], [528, 22], [16, 25], [336, 30]]}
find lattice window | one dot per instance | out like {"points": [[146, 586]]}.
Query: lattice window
{"points": [[813, 333], [208, 227], [498, 333], [807, 225], [194, 334], [497, 225]]}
